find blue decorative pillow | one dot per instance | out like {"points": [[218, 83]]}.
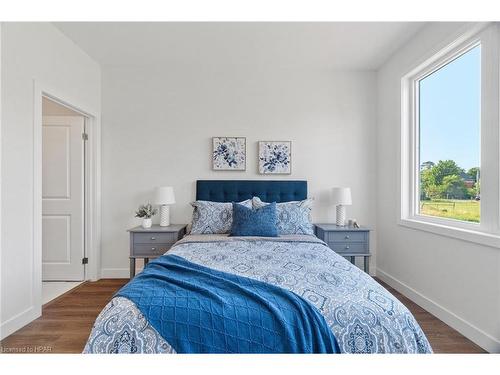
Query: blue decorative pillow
{"points": [[213, 217], [254, 221], [292, 217]]}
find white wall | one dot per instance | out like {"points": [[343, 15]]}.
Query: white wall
{"points": [[455, 280], [31, 51], [157, 125]]}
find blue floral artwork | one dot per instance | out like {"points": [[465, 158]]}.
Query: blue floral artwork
{"points": [[275, 157], [229, 153]]}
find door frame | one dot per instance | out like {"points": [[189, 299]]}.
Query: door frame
{"points": [[92, 181]]}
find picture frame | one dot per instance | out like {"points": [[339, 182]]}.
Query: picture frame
{"points": [[275, 157], [229, 153]]}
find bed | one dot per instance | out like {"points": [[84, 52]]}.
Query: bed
{"points": [[288, 294]]}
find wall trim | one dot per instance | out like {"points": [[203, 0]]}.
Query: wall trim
{"points": [[473, 333], [20, 320], [117, 273]]}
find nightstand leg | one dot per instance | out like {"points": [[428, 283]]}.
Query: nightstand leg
{"points": [[132, 267], [367, 265], [146, 261], [353, 260]]}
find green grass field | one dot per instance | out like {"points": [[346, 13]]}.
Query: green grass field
{"points": [[466, 210]]}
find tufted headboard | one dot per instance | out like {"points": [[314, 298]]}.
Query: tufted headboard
{"points": [[239, 190]]}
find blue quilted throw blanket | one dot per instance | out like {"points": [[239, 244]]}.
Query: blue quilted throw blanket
{"points": [[200, 310]]}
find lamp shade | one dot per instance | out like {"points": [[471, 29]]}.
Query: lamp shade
{"points": [[164, 195], [341, 195]]}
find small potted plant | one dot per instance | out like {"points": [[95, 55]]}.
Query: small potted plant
{"points": [[146, 212]]}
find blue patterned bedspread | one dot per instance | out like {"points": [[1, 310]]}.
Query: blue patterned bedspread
{"points": [[201, 310], [363, 316]]}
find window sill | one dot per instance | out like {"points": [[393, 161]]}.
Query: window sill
{"points": [[469, 235]]}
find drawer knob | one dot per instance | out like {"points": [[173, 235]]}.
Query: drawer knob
{"points": [[347, 247], [153, 238], [153, 248], [347, 237]]}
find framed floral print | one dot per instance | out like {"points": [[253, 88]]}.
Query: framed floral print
{"points": [[229, 153], [275, 157]]}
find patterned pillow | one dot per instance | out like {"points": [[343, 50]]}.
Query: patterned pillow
{"points": [[249, 221], [293, 217], [213, 217]]}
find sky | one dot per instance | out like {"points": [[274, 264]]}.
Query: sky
{"points": [[450, 108]]}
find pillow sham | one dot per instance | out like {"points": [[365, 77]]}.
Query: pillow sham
{"points": [[254, 221], [213, 217], [292, 217]]}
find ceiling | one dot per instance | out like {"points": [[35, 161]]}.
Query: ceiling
{"points": [[335, 45]]}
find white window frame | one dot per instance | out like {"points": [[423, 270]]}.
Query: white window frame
{"points": [[487, 232]]}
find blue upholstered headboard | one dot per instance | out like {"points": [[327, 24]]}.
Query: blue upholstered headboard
{"points": [[239, 190]]}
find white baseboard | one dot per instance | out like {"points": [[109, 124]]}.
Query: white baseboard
{"points": [[117, 273], [481, 338], [18, 321]]}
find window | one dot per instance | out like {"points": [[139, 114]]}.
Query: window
{"points": [[449, 122], [450, 159]]}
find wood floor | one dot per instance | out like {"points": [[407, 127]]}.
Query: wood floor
{"points": [[441, 336], [66, 322]]}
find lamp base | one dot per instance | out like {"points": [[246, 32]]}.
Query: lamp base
{"points": [[340, 215], [164, 216]]}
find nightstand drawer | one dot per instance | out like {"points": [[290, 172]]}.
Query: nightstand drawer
{"points": [[154, 238], [151, 249], [349, 247], [346, 236], [152, 242]]}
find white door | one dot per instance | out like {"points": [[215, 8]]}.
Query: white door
{"points": [[63, 198]]}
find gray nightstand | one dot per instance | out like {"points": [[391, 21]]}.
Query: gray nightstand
{"points": [[346, 241], [152, 242]]}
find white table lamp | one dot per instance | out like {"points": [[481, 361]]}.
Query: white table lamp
{"points": [[341, 197], [164, 196]]}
